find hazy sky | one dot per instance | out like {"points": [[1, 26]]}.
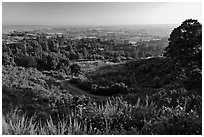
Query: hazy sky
{"points": [[99, 13]]}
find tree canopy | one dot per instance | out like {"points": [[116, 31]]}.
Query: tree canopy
{"points": [[185, 49], [185, 44]]}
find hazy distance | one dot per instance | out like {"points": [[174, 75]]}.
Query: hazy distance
{"points": [[99, 13]]}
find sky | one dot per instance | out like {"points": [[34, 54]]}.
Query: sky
{"points": [[99, 13]]}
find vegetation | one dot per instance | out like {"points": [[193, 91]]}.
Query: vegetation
{"points": [[185, 48], [185, 44], [145, 96], [55, 53], [75, 69]]}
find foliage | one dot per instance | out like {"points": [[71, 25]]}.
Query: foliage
{"points": [[144, 96], [185, 47], [185, 43], [40, 49], [7, 59], [114, 89], [23, 78], [152, 73], [115, 116], [75, 69], [25, 61], [52, 110]]}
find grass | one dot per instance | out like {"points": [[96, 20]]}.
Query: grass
{"points": [[52, 111], [14, 124], [115, 116]]}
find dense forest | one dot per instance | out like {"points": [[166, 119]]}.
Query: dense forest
{"points": [[56, 50], [151, 87]]}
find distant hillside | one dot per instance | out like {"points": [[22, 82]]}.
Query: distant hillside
{"points": [[152, 72]]}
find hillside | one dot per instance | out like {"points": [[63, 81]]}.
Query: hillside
{"points": [[39, 98], [152, 73], [144, 73], [54, 84]]}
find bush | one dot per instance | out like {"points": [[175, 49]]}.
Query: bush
{"points": [[114, 116], [25, 61], [75, 69], [114, 89]]}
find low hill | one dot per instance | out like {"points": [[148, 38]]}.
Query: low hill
{"points": [[152, 72]]}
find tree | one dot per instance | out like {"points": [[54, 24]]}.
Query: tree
{"points": [[45, 46], [52, 60], [25, 61], [53, 46], [185, 48], [85, 52], [23, 46], [75, 69], [185, 44]]}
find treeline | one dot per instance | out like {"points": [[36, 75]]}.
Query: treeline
{"points": [[54, 53]]}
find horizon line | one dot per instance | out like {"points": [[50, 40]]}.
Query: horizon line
{"points": [[90, 24]]}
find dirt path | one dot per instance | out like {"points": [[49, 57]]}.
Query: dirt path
{"points": [[77, 91]]}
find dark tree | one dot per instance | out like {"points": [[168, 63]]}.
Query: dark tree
{"points": [[75, 69], [52, 60], [185, 48], [25, 61], [53, 46], [45, 47], [185, 44]]}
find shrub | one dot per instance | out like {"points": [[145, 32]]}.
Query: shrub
{"points": [[75, 69], [114, 89], [25, 61]]}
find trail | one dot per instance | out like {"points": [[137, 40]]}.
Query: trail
{"points": [[77, 91]]}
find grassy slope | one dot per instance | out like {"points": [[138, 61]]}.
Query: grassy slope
{"points": [[153, 73], [45, 108]]}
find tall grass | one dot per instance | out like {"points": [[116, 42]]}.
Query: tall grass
{"points": [[14, 124], [115, 116]]}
